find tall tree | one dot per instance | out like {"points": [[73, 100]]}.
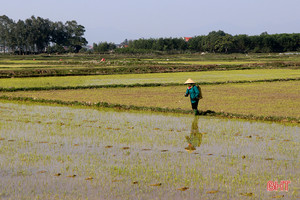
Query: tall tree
{"points": [[75, 34], [39, 33], [20, 35], [241, 43], [59, 33], [6, 25]]}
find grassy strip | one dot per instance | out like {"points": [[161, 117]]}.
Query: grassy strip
{"points": [[139, 69], [154, 109], [136, 85]]}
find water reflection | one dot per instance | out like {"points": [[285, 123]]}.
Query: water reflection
{"points": [[195, 138]]}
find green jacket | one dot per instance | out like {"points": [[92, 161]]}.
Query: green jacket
{"points": [[194, 93]]}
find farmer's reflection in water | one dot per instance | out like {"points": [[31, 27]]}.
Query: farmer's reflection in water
{"points": [[195, 138]]}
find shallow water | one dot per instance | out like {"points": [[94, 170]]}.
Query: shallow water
{"points": [[125, 153]]}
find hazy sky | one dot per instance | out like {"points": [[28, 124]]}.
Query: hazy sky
{"points": [[117, 20]]}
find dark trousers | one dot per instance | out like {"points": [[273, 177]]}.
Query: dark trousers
{"points": [[195, 105]]}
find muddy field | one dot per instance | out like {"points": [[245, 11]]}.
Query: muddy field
{"points": [[122, 129], [51, 152]]}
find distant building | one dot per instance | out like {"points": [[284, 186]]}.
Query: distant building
{"points": [[187, 38]]}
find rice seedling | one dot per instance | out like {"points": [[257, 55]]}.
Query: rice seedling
{"points": [[82, 149], [256, 100], [162, 78], [80, 158]]}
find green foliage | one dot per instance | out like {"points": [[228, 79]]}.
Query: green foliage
{"points": [[129, 50], [161, 44], [56, 49], [218, 42], [34, 35], [103, 47], [74, 36], [6, 25]]}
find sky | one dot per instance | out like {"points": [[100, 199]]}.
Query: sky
{"points": [[117, 20]]}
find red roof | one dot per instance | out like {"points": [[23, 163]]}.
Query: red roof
{"points": [[187, 38]]}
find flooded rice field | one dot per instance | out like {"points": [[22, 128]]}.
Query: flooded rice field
{"points": [[55, 152]]}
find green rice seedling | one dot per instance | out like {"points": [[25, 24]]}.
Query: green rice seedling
{"points": [[248, 100], [162, 78], [215, 169]]}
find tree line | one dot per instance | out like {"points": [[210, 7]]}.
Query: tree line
{"points": [[220, 42], [38, 35]]}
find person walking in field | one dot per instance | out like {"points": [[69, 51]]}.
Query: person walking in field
{"points": [[195, 94]]}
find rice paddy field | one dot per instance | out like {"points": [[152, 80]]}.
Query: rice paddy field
{"points": [[133, 136], [162, 78], [50, 152], [280, 99]]}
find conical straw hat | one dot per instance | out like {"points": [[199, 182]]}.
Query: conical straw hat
{"points": [[189, 81]]}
